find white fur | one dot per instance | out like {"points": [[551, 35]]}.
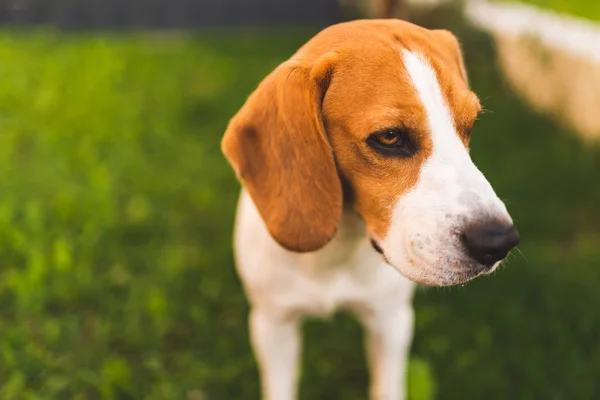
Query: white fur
{"points": [[284, 287], [423, 240]]}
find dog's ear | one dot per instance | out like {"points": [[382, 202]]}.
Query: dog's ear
{"points": [[451, 46], [280, 151]]}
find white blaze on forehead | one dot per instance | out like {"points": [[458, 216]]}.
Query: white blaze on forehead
{"points": [[439, 116], [449, 163]]}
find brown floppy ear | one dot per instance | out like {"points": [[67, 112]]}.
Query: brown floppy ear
{"points": [[281, 153], [452, 45]]}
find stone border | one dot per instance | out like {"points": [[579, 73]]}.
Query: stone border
{"points": [[551, 60], [567, 33]]}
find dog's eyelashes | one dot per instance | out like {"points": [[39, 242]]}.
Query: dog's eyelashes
{"points": [[392, 142]]}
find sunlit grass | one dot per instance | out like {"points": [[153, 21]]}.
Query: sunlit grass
{"points": [[585, 9]]}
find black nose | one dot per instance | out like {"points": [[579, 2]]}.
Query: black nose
{"points": [[491, 241]]}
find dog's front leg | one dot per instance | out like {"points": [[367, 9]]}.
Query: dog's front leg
{"points": [[276, 344], [388, 340]]}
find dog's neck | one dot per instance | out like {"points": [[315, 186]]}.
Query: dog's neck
{"points": [[350, 237], [352, 225]]}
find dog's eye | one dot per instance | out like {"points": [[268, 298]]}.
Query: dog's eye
{"points": [[393, 142], [388, 138]]}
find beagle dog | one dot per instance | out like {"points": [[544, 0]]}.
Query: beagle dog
{"points": [[357, 182]]}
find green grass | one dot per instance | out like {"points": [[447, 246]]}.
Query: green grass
{"points": [[585, 9], [116, 208]]}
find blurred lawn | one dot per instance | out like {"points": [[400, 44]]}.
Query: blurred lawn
{"points": [[116, 208], [115, 215], [587, 9]]}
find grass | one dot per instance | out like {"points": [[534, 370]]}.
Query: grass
{"points": [[585, 9], [116, 207], [115, 215]]}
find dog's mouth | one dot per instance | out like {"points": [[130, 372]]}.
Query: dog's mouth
{"points": [[449, 274], [377, 247]]}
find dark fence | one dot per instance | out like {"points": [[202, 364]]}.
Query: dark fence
{"points": [[166, 14]]}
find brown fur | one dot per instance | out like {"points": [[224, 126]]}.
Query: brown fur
{"points": [[307, 124]]}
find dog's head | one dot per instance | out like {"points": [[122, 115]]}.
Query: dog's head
{"points": [[375, 114]]}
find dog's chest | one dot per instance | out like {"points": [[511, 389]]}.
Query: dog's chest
{"points": [[345, 274], [335, 280]]}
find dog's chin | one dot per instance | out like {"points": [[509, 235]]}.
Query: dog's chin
{"points": [[440, 274], [432, 277]]}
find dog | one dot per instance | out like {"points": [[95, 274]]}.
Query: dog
{"points": [[357, 183]]}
